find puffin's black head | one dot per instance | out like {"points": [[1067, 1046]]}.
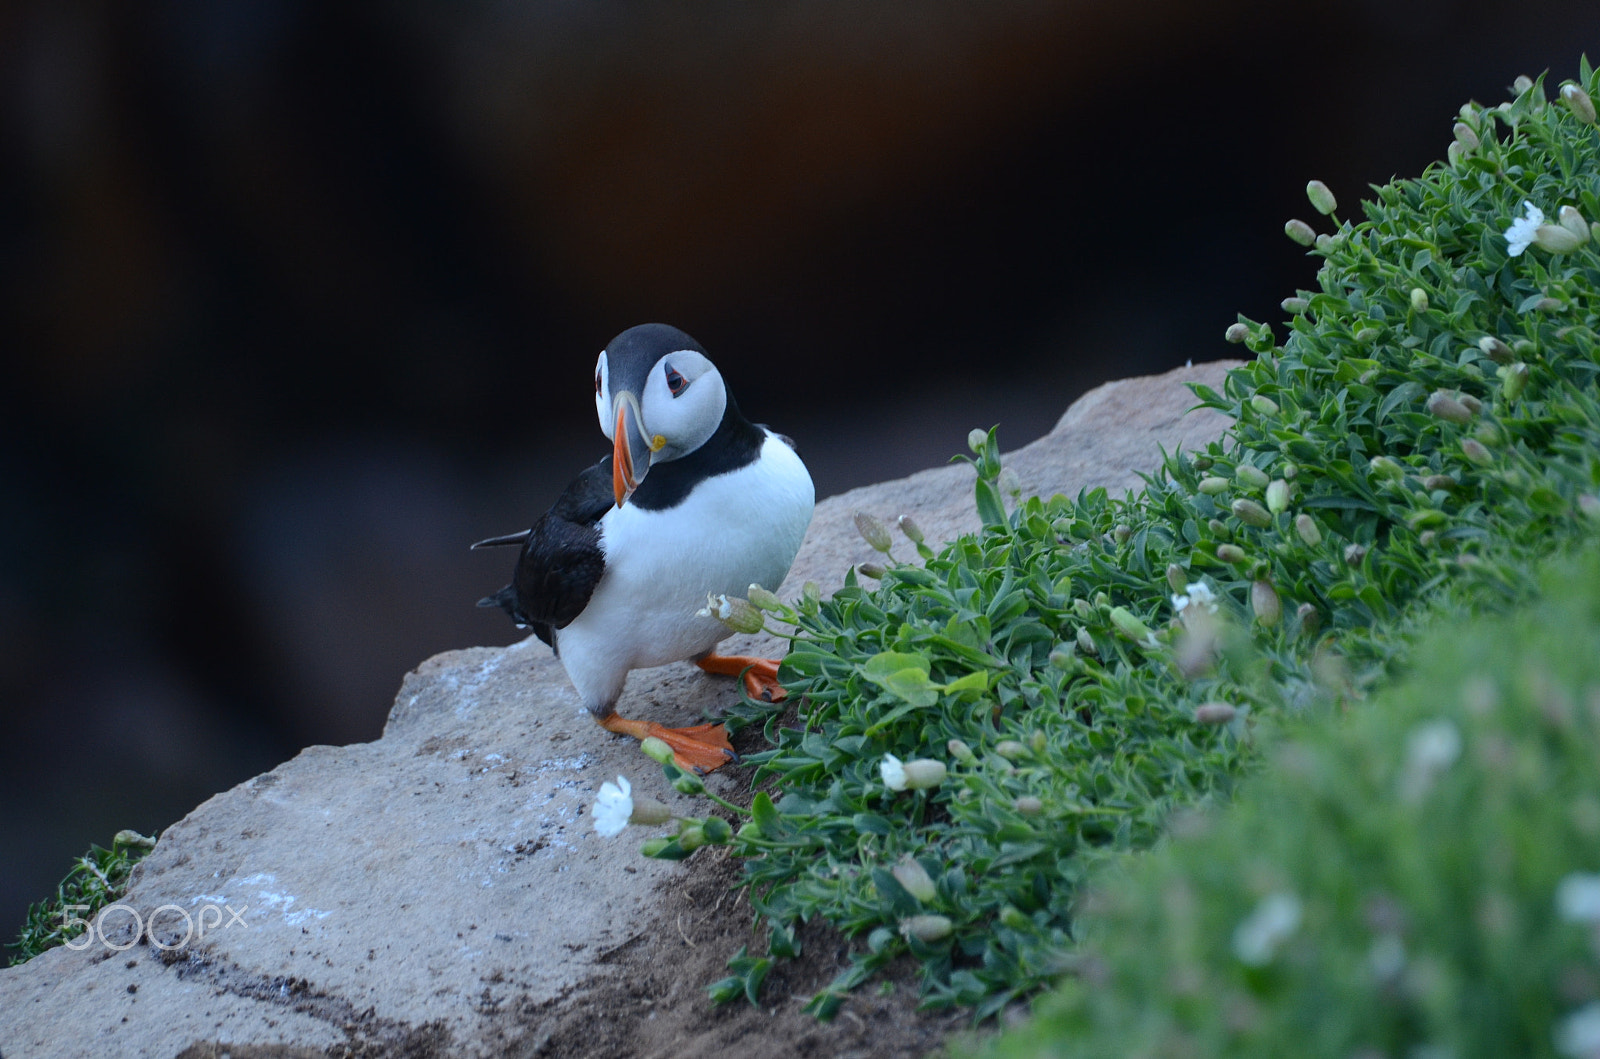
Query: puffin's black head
{"points": [[658, 397]]}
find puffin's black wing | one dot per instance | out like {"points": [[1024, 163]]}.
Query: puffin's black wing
{"points": [[561, 560]]}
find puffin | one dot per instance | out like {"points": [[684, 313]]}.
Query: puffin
{"points": [[693, 500]]}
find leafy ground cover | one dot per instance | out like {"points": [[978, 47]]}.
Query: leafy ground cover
{"points": [[1417, 878], [96, 879], [978, 730]]}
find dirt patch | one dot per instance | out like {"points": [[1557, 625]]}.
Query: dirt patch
{"points": [[656, 1006]]}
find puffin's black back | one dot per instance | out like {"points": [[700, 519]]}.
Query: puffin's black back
{"points": [[561, 561]]}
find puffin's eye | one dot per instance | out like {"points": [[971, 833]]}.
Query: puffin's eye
{"points": [[597, 383], [675, 381]]}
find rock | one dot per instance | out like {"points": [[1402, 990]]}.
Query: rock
{"points": [[408, 895]]}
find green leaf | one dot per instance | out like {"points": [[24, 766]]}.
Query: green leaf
{"points": [[990, 509]]}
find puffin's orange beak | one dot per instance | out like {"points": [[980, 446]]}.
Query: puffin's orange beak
{"points": [[623, 483]]}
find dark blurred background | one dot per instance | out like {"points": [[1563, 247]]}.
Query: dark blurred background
{"points": [[300, 297]]}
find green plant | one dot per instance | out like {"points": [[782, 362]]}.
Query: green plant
{"points": [[1429, 421], [1416, 878], [98, 878]]}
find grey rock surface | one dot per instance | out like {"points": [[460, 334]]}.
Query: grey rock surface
{"points": [[386, 895]]}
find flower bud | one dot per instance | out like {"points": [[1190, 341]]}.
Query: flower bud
{"points": [[1121, 532], [1369, 334], [1028, 805], [655, 846], [1082, 608], [1474, 450], [1589, 505], [1578, 101], [1435, 482], [1326, 243], [1454, 153], [923, 773], [1522, 83], [1177, 578], [1086, 643], [1385, 469], [1038, 742], [1354, 554], [927, 929], [129, 837], [1557, 240], [1129, 625], [1300, 232], [1447, 407], [810, 592], [976, 439], [1290, 472], [909, 527], [1236, 333], [873, 532], [1306, 527], [1203, 463], [1212, 485], [1426, 538], [1009, 483], [1294, 306], [691, 837], [1310, 619], [915, 880], [1321, 198], [1419, 300], [1465, 136], [718, 831], [1264, 601], [1010, 749], [872, 570], [1250, 476], [1570, 219], [1277, 495], [737, 614], [1251, 513], [656, 750], [1495, 349], [1215, 712], [961, 752], [1231, 554], [1062, 655], [1264, 405], [647, 812], [1513, 380], [688, 783], [762, 599], [1217, 527]]}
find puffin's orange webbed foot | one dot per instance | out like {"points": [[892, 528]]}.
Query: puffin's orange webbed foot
{"points": [[699, 748], [760, 674]]}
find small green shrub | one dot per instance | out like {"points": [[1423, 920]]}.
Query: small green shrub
{"points": [[98, 878], [1415, 878], [1430, 423]]}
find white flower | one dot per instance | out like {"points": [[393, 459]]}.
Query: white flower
{"points": [[1256, 940], [1578, 898], [1522, 230], [893, 772], [613, 806], [1197, 595], [1579, 1033], [1430, 749]]}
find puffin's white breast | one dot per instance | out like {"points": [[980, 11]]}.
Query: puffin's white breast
{"points": [[732, 530]]}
